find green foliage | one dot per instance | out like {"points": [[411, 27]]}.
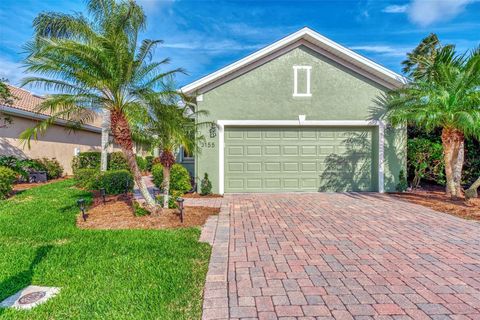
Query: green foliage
{"points": [[425, 161], [117, 161], [7, 178], [402, 185], [149, 161], [179, 177], [172, 200], [86, 160], [115, 181], [142, 163], [139, 211], [169, 265], [21, 166], [471, 168], [205, 186], [86, 178], [53, 168]]}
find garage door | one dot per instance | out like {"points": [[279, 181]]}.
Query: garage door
{"points": [[286, 159]]}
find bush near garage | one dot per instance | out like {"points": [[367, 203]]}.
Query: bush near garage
{"points": [[425, 161], [179, 178], [7, 178]]}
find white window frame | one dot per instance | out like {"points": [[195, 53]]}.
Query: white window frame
{"points": [[295, 81]]}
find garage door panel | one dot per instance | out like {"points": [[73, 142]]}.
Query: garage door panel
{"points": [[298, 159]]}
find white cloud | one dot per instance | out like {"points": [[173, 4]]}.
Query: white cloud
{"points": [[396, 9], [212, 46], [11, 70], [427, 12], [383, 50]]}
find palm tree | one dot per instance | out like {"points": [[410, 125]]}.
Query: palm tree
{"points": [[171, 124], [449, 99], [96, 63]]}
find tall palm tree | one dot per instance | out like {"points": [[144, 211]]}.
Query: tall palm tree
{"points": [[448, 99], [96, 63], [170, 124]]}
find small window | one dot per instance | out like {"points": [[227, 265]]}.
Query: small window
{"points": [[301, 81]]}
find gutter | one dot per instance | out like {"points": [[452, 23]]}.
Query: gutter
{"points": [[37, 116]]}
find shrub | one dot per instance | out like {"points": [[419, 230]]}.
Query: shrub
{"points": [[205, 186], [86, 160], [7, 177], [53, 168], [179, 177], [149, 161], [117, 161], [142, 163], [87, 178], [138, 210], [425, 161], [115, 181], [20, 166], [402, 185]]}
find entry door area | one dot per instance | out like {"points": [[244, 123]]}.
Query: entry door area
{"points": [[286, 159]]}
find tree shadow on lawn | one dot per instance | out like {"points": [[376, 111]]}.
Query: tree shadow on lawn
{"points": [[24, 278]]}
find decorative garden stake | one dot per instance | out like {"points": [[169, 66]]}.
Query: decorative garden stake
{"points": [[81, 205], [103, 193], [180, 207]]}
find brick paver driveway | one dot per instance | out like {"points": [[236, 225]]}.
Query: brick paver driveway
{"points": [[347, 256]]}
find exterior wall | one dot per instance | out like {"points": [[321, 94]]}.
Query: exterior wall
{"points": [[265, 93], [56, 143]]}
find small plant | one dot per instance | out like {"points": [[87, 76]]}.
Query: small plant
{"points": [[53, 168], [149, 161], [205, 186], [142, 163], [402, 185], [138, 210], [7, 178]]}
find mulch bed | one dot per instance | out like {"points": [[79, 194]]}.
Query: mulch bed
{"points": [[117, 213], [434, 197], [25, 185], [198, 195]]}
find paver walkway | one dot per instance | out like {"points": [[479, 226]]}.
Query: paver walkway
{"points": [[342, 256]]}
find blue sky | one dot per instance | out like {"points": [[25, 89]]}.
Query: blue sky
{"points": [[203, 36]]}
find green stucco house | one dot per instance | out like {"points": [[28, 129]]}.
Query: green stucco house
{"points": [[299, 115]]}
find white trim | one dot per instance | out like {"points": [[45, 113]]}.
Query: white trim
{"points": [[314, 123], [308, 34], [37, 116], [308, 93]]}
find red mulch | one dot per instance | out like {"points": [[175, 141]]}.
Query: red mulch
{"points": [[198, 195], [25, 185], [434, 197], [117, 213]]}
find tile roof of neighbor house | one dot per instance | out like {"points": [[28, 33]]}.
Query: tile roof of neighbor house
{"points": [[28, 101]]}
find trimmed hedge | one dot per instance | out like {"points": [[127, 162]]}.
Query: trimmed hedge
{"points": [[117, 161], [86, 160], [179, 178], [114, 181], [7, 178]]}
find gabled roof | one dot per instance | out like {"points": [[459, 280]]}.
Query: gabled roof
{"points": [[25, 103], [324, 45]]}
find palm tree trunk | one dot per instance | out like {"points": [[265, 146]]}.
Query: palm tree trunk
{"points": [[452, 140], [166, 186], [104, 142], [472, 192], [122, 135], [458, 167]]}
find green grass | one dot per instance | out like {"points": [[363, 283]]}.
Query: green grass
{"points": [[124, 274]]}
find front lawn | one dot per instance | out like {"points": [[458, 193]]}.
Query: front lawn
{"points": [[129, 274]]}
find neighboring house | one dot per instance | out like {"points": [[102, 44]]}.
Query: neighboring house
{"points": [[299, 115], [57, 142]]}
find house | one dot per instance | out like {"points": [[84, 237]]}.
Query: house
{"points": [[57, 142], [299, 115]]}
